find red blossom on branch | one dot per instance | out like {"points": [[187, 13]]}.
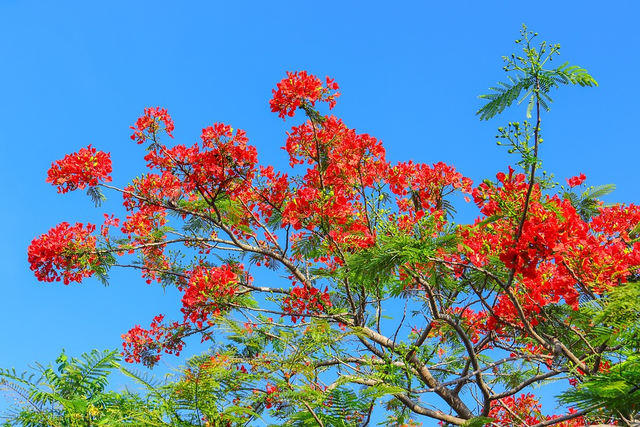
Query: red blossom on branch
{"points": [[208, 291], [85, 168], [525, 410], [272, 396], [153, 121], [109, 221], [306, 300], [146, 345], [64, 253], [576, 180], [298, 88], [555, 246]]}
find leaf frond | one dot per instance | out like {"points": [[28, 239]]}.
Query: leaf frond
{"points": [[503, 98]]}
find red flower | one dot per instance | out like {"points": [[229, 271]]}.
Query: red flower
{"points": [[208, 291], [148, 125], [525, 410], [64, 253], [272, 395], [306, 300], [576, 180], [85, 168], [301, 87], [146, 345]]}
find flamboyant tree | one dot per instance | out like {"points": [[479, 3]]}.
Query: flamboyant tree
{"points": [[382, 301]]}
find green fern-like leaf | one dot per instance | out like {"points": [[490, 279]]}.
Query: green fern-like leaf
{"points": [[504, 96], [64, 394], [617, 391], [588, 203], [196, 225], [534, 80], [576, 75], [96, 195], [599, 191], [94, 368]]}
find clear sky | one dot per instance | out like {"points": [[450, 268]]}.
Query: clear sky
{"points": [[75, 73]]}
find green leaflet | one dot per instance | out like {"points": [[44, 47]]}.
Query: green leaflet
{"points": [[503, 96], [97, 197], [345, 407]]}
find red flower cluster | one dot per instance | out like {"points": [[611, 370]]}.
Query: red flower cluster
{"points": [[224, 162], [555, 249], [576, 180], [87, 167], [145, 199], [429, 183], [146, 345], [346, 165], [474, 322], [300, 87], [272, 395], [427, 186], [208, 291], [153, 121], [274, 191], [65, 253], [109, 221], [306, 300]]}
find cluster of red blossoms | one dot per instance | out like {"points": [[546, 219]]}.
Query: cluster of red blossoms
{"points": [[208, 292], [306, 300], [272, 395], [153, 121], [576, 180], [556, 251], [64, 253], [85, 168], [300, 87], [146, 345]]}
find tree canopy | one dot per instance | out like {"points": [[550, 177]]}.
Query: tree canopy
{"points": [[344, 287]]}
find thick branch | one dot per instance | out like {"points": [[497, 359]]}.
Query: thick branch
{"points": [[425, 375], [528, 382], [565, 417], [437, 314], [406, 400]]}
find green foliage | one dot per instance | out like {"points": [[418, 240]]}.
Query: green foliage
{"points": [[71, 394], [477, 422], [96, 195], [588, 204], [74, 394], [617, 391], [519, 138], [395, 250], [504, 96], [532, 79], [341, 407], [620, 317]]}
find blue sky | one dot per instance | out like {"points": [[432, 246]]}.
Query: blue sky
{"points": [[76, 73]]}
